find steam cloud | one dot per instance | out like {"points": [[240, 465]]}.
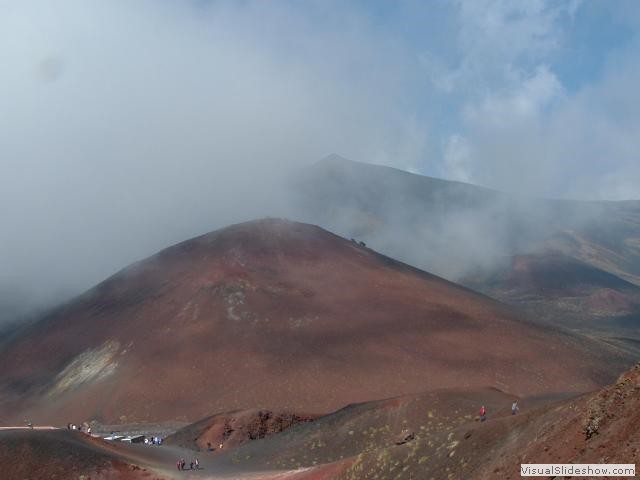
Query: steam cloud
{"points": [[134, 125], [128, 126]]}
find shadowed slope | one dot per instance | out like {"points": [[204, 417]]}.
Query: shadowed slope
{"points": [[562, 290], [62, 454], [555, 274], [277, 315]]}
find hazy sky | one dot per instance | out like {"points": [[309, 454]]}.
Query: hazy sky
{"points": [[126, 126]]}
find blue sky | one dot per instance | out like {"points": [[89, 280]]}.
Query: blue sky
{"points": [[492, 83]]}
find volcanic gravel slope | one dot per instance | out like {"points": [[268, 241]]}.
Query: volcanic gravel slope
{"points": [[278, 315], [234, 428], [431, 435], [442, 436], [602, 427]]}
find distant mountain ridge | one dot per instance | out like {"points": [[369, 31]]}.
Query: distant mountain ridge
{"points": [[468, 233], [353, 197]]}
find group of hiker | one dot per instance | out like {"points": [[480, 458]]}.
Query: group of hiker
{"points": [[483, 410], [193, 465], [73, 426]]}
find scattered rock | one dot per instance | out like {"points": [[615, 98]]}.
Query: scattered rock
{"points": [[405, 437]]}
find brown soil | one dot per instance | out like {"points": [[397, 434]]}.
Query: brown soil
{"points": [[359, 442], [450, 442], [282, 316], [233, 429], [603, 427]]}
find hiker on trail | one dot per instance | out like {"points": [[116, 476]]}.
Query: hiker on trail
{"points": [[514, 407], [197, 464], [191, 465], [483, 413], [182, 463], [178, 465]]}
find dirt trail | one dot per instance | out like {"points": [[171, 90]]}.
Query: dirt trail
{"points": [[29, 428]]}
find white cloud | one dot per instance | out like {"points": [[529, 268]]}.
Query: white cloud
{"points": [[495, 41], [442, 76], [518, 127], [458, 160], [128, 126], [540, 140], [506, 30], [524, 102]]}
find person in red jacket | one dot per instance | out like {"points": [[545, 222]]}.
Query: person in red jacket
{"points": [[483, 413]]}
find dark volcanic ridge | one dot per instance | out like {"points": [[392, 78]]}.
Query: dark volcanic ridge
{"points": [[562, 290]]}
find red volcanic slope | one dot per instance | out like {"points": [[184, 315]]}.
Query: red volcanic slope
{"points": [[601, 427], [372, 428], [360, 441], [279, 315], [234, 428], [449, 441]]}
